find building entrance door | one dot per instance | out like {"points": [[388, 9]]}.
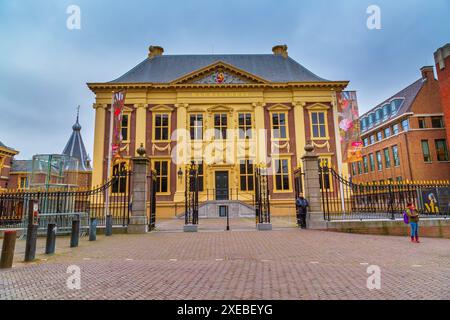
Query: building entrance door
{"points": [[221, 185]]}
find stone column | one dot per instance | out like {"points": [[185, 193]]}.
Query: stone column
{"points": [[181, 110], [260, 134], [299, 129], [99, 144], [312, 183], [138, 217], [141, 123]]}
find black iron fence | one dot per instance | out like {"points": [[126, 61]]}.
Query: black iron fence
{"points": [[262, 204], [151, 198], [342, 199], [112, 198], [191, 195]]}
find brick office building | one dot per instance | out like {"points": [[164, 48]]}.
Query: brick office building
{"points": [[404, 137], [442, 58], [6, 157]]}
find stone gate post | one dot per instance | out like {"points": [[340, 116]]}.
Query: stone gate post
{"points": [[312, 192], [139, 188]]}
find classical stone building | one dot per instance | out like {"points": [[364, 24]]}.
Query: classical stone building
{"points": [[277, 104], [404, 137]]}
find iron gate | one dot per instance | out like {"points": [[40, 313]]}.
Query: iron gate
{"points": [[343, 199], [152, 187], [111, 198], [298, 182], [262, 204], [191, 194]]}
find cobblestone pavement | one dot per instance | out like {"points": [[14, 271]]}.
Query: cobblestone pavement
{"points": [[286, 263]]}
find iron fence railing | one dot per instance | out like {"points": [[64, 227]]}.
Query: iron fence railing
{"points": [[343, 199], [112, 198]]}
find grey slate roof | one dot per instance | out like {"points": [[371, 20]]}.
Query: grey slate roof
{"points": [[409, 94], [21, 166], [75, 148], [167, 68]]}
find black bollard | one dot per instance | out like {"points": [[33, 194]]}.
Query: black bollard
{"points": [[93, 229], [51, 239], [108, 227], [32, 230], [75, 235], [9, 244]]}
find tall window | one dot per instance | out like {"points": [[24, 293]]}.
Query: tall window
{"points": [[379, 161], [379, 136], [162, 126], [23, 183], [282, 174], [125, 127], [120, 178], [279, 125], [422, 123], [245, 125], [436, 122], [387, 158], [366, 142], [441, 150], [365, 164], [319, 128], [405, 125], [395, 129], [196, 126], [396, 156], [387, 132], [354, 173], [246, 175], [372, 139], [162, 175], [220, 125], [200, 174], [359, 167], [371, 162], [426, 151]]}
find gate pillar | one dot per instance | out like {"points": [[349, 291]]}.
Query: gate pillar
{"points": [[312, 192], [138, 215]]}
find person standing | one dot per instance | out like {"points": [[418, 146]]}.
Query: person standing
{"points": [[413, 215], [302, 210]]}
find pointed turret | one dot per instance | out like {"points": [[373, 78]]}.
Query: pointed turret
{"points": [[75, 146]]}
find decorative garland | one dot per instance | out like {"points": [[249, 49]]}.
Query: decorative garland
{"points": [[167, 147], [323, 145], [281, 146]]}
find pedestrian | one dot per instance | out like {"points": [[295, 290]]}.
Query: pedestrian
{"points": [[413, 215], [302, 210]]}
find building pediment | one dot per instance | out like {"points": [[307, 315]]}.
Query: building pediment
{"points": [[220, 73]]}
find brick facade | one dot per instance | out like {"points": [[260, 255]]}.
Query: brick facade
{"points": [[414, 124], [442, 58]]}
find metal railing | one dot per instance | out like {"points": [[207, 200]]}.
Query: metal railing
{"points": [[344, 200]]}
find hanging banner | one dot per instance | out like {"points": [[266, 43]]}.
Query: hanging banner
{"points": [[349, 134], [118, 104]]}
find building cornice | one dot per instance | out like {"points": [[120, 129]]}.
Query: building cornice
{"points": [[332, 85]]}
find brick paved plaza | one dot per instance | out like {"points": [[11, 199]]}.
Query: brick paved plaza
{"points": [[286, 263]]}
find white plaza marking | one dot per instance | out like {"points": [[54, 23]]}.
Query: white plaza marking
{"points": [[128, 259], [364, 263], [219, 259], [416, 266], [173, 260], [314, 262], [86, 258]]}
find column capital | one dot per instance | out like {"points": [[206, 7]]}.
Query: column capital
{"points": [[182, 105], [99, 106], [299, 103], [140, 105], [258, 104]]}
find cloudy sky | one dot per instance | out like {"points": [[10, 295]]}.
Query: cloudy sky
{"points": [[44, 66]]}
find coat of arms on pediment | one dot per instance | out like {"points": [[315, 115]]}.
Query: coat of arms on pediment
{"points": [[219, 73]]}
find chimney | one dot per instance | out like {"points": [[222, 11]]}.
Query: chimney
{"points": [[154, 51], [427, 73], [441, 56], [280, 50]]}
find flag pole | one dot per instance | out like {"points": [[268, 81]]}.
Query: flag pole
{"points": [[109, 171]]}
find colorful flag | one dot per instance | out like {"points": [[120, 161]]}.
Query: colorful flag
{"points": [[118, 104], [349, 126]]}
